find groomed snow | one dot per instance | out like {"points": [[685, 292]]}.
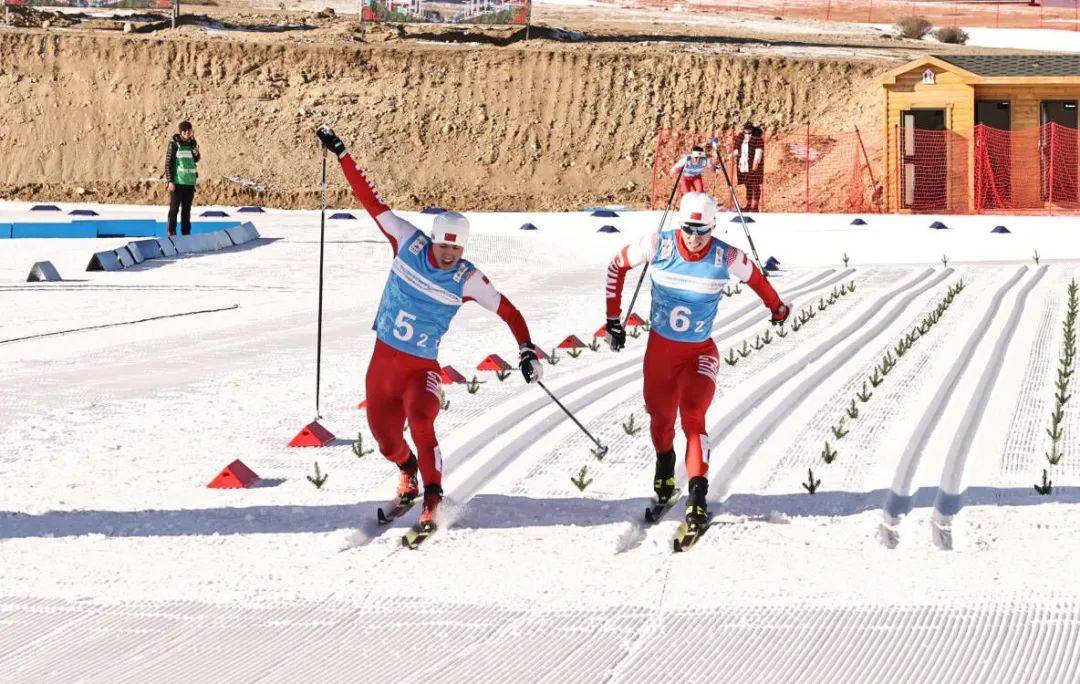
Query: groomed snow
{"points": [[119, 564]]}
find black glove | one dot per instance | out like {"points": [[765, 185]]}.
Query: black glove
{"points": [[330, 140], [531, 369], [780, 314], [616, 334]]}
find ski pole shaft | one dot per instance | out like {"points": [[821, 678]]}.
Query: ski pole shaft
{"points": [[660, 228], [322, 252], [571, 416], [738, 209]]}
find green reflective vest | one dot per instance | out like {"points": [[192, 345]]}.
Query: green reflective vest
{"points": [[184, 171]]}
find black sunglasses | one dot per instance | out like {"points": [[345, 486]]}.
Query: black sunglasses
{"points": [[696, 230]]}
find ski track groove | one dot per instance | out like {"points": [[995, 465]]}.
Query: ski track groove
{"points": [[899, 502], [858, 456], [1023, 441], [730, 469], [949, 497], [606, 426]]}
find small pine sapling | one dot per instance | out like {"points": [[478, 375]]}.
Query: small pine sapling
{"points": [[745, 350], [358, 446], [1046, 487], [828, 454], [832, 299], [502, 374], [843, 289], [647, 325], [864, 395], [580, 482], [876, 378], [595, 344], [795, 325], [821, 305], [767, 337], [853, 410], [845, 259], [731, 359], [630, 427], [634, 332], [758, 345], [851, 286], [738, 288], [472, 386], [320, 478], [781, 333], [838, 430], [576, 351], [553, 357], [944, 261], [811, 485], [1035, 256]]}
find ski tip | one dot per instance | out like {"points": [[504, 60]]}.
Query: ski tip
{"points": [[649, 516], [676, 546], [382, 517]]}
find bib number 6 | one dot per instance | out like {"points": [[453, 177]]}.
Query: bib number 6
{"points": [[680, 319]]}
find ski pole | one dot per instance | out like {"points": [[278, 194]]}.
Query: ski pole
{"points": [[660, 228], [322, 251], [738, 209], [602, 450]]}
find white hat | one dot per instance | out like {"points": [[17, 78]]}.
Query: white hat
{"points": [[697, 208], [450, 228]]}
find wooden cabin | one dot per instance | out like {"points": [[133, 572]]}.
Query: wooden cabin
{"points": [[968, 133]]}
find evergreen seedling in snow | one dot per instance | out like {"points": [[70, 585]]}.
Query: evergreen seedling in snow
{"points": [[853, 410], [728, 291], [647, 325], [553, 357], [745, 351], [876, 378], [811, 485], [580, 482], [472, 386], [319, 479], [832, 299], [864, 395], [758, 345], [838, 430], [634, 332], [358, 446], [944, 261], [576, 351], [767, 337], [731, 359], [629, 427], [444, 403], [795, 325], [1046, 487], [502, 375], [1035, 256], [821, 304], [843, 289], [738, 288], [851, 286], [828, 454], [845, 259], [595, 344]]}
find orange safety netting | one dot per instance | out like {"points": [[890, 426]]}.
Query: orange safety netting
{"points": [[1062, 14], [1036, 169], [799, 171]]}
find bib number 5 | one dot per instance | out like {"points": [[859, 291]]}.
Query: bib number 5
{"points": [[404, 331]]}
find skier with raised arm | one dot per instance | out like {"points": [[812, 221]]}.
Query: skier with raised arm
{"points": [[689, 269], [429, 281], [689, 169]]}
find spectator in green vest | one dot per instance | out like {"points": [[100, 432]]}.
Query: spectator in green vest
{"points": [[180, 160]]}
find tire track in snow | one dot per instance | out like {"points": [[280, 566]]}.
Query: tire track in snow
{"points": [[948, 501], [899, 500], [724, 476]]}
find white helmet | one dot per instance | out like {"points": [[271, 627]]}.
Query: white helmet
{"points": [[697, 209], [450, 228]]}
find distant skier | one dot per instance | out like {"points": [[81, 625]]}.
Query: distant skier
{"points": [[693, 165], [689, 269], [428, 282]]}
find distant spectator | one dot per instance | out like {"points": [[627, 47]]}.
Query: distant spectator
{"points": [[748, 151], [180, 159], [693, 165]]}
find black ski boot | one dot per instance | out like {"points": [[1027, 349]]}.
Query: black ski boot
{"points": [[664, 479], [697, 513]]}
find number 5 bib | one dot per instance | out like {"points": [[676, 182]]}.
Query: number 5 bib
{"points": [[419, 300]]}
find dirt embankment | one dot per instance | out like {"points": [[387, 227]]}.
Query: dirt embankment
{"points": [[538, 125]]}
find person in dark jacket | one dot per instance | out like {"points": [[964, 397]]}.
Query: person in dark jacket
{"points": [[180, 159], [748, 152]]}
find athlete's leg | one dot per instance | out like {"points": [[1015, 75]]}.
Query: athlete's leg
{"points": [[385, 407], [661, 400], [422, 403], [697, 384], [698, 184]]}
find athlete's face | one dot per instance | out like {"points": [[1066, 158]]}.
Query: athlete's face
{"points": [[446, 256], [693, 239]]}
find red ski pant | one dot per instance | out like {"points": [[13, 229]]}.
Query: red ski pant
{"points": [[680, 376], [401, 386], [689, 184]]}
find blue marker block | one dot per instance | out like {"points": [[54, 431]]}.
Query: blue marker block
{"points": [[938, 225], [858, 222], [528, 226], [213, 213], [250, 210], [746, 219], [433, 210], [82, 212], [343, 216], [44, 207], [608, 229], [604, 213], [1000, 229]]}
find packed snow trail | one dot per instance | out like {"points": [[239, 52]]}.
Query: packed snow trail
{"points": [[899, 501], [948, 500]]}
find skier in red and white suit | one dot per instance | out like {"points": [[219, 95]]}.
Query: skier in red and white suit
{"points": [[428, 283], [690, 269]]}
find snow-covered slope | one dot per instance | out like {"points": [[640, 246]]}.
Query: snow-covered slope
{"points": [[924, 554]]}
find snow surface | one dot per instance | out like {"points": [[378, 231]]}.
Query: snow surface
{"points": [[117, 558]]}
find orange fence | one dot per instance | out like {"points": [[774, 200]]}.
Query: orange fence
{"points": [[1036, 169], [800, 170], [1062, 14]]}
